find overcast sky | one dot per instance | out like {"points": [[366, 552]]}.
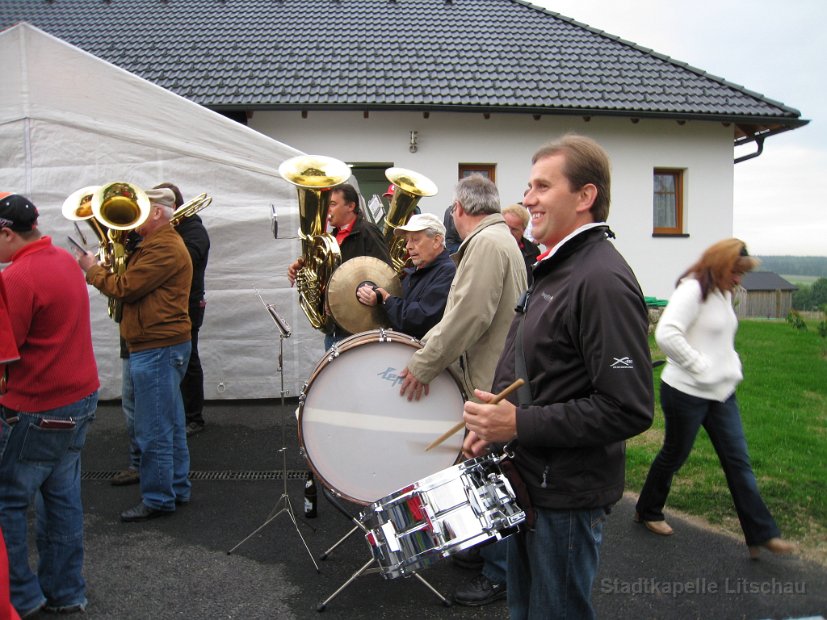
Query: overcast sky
{"points": [[777, 49]]}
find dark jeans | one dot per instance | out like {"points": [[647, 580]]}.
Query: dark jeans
{"points": [[551, 569], [684, 415], [192, 386]]}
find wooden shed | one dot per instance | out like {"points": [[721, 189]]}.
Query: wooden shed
{"points": [[764, 294]]}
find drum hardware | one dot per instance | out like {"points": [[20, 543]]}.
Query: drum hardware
{"points": [[460, 425], [366, 568], [360, 438], [287, 507], [433, 518]]}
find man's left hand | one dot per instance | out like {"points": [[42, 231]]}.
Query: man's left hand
{"points": [[86, 261], [491, 423]]}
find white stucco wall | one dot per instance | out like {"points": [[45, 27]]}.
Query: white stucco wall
{"points": [[509, 140]]}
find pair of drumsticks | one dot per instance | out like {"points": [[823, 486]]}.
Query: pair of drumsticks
{"points": [[460, 425]]}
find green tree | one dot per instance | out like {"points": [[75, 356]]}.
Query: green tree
{"points": [[818, 293], [802, 298]]}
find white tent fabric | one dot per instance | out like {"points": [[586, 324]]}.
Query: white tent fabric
{"points": [[69, 119]]}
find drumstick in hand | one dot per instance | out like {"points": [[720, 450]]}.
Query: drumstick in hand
{"points": [[460, 425]]}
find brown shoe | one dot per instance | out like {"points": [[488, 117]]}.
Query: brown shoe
{"points": [[125, 477], [778, 546], [661, 528]]}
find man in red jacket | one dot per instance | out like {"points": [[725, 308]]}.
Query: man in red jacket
{"points": [[49, 399]]}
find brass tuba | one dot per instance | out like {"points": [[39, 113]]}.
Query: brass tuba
{"points": [[314, 177], [410, 187], [112, 210]]}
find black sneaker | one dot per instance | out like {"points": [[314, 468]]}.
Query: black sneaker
{"points": [[479, 591], [194, 428]]}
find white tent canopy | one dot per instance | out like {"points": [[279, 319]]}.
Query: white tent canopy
{"points": [[69, 119]]}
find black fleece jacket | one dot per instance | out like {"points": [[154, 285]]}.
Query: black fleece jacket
{"points": [[590, 374]]}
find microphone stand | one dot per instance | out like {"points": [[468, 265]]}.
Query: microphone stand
{"points": [[284, 333]]}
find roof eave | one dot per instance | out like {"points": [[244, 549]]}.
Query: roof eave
{"points": [[748, 128]]}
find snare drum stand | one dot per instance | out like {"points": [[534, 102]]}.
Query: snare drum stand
{"points": [[368, 567], [284, 332]]}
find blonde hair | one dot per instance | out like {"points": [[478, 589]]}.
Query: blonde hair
{"points": [[715, 266], [520, 211]]}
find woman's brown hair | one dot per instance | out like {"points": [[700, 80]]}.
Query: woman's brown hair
{"points": [[717, 263]]}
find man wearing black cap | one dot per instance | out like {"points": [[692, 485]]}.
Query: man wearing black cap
{"points": [[154, 290], [47, 399]]}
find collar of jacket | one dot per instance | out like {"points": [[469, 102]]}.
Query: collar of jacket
{"points": [[588, 236], [489, 220]]}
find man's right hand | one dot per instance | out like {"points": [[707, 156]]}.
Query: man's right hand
{"points": [[293, 270], [411, 386]]}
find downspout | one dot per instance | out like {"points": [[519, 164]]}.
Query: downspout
{"points": [[760, 142]]}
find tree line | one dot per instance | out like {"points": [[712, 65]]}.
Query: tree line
{"points": [[795, 265]]}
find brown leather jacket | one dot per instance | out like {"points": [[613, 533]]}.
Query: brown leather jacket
{"points": [[154, 290]]}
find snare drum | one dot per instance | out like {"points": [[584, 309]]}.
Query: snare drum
{"points": [[360, 437], [451, 510]]}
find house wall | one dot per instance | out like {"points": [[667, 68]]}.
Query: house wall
{"points": [[509, 140]]}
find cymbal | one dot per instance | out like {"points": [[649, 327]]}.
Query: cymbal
{"points": [[347, 310]]}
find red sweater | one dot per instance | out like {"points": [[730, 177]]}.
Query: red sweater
{"points": [[49, 311]]}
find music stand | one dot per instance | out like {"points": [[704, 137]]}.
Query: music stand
{"points": [[284, 332]]}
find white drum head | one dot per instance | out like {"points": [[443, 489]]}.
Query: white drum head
{"points": [[362, 439]]}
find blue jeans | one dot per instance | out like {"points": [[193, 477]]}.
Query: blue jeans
{"points": [[44, 464], [128, 406], [551, 569], [684, 415], [159, 424], [495, 561]]}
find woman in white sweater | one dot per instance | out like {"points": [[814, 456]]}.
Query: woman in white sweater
{"points": [[697, 334]]}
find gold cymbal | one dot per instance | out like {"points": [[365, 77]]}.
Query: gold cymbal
{"points": [[342, 302]]}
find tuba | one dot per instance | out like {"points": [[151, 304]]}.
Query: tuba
{"points": [[314, 177], [410, 187], [112, 210]]}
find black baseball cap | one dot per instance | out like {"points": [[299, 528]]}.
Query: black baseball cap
{"points": [[17, 213]]}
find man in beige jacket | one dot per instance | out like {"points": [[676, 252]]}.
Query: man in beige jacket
{"points": [[490, 278]]}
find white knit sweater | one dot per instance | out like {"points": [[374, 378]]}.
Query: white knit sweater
{"points": [[698, 338]]}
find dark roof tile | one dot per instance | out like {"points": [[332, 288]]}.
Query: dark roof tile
{"points": [[370, 53]]}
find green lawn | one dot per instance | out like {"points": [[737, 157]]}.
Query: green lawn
{"points": [[783, 401]]}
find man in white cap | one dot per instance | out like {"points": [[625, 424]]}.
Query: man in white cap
{"points": [[425, 286], [490, 278], [154, 290]]}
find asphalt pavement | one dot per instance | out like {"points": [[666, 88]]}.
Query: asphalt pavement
{"points": [[179, 566]]}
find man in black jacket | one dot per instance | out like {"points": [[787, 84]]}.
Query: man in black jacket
{"points": [[580, 342]]}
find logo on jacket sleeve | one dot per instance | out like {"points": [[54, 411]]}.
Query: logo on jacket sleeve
{"points": [[622, 362]]}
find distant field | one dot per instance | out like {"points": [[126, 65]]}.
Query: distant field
{"points": [[808, 280]]}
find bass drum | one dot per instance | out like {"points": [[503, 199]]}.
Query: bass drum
{"points": [[360, 437]]}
